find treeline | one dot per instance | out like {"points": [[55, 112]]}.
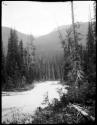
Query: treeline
{"points": [[17, 65], [80, 64], [50, 68], [21, 66]]}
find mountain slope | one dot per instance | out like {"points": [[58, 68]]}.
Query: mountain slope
{"points": [[21, 36], [50, 44], [46, 45]]}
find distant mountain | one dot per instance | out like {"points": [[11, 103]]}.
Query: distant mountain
{"points": [[21, 36], [49, 44]]}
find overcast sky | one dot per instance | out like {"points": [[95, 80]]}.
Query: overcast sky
{"points": [[39, 18]]}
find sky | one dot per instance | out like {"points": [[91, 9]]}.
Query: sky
{"points": [[40, 18]]}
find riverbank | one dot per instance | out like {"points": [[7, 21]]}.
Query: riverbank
{"points": [[17, 106]]}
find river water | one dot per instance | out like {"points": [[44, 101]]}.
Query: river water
{"points": [[28, 101]]}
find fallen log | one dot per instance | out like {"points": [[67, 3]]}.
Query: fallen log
{"points": [[82, 111]]}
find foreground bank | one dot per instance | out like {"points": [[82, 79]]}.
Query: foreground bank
{"points": [[19, 107]]}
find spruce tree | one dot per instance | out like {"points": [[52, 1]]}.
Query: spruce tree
{"points": [[3, 67], [21, 58], [12, 57], [91, 62]]}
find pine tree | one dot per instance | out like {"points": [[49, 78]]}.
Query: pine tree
{"points": [[3, 67], [73, 71], [91, 55], [21, 58], [12, 57], [29, 62], [90, 60], [90, 40]]}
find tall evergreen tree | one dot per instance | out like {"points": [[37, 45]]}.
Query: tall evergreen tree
{"points": [[72, 59], [90, 40], [91, 54], [90, 60], [12, 56], [21, 58], [3, 66]]}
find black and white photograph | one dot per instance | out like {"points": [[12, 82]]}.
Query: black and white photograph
{"points": [[48, 62]]}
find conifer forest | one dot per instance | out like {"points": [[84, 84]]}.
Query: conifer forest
{"points": [[24, 73]]}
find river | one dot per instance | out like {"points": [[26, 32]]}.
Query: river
{"points": [[26, 103]]}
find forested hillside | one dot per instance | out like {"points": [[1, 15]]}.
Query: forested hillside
{"points": [[47, 45], [21, 36], [67, 55]]}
